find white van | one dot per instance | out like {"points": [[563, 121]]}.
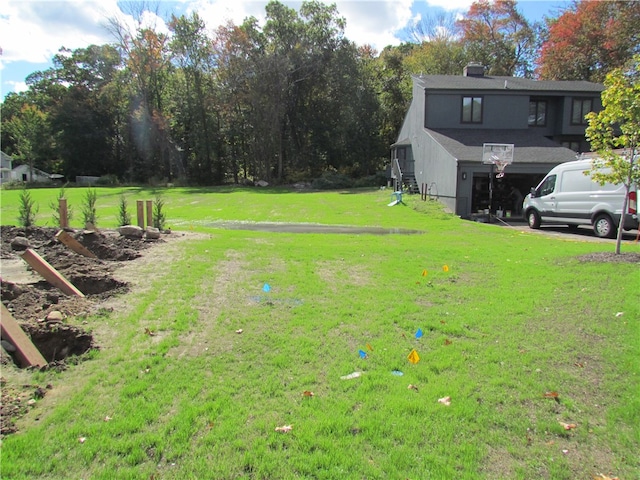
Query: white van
{"points": [[567, 196]]}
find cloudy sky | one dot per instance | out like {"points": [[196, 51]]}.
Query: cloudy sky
{"points": [[32, 31]]}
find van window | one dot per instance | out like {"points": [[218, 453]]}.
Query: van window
{"points": [[576, 181], [547, 186]]}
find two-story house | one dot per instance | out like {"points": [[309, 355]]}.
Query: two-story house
{"points": [[440, 146]]}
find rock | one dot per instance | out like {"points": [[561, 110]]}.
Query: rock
{"points": [[152, 233], [20, 243], [52, 297], [8, 346], [55, 317], [131, 231], [262, 183]]}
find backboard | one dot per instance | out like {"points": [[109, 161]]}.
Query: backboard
{"points": [[497, 153]]}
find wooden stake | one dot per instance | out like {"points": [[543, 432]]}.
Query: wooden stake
{"points": [[27, 353], [140, 206], [62, 211], [74, 244], [149, 213], [49, 273]]}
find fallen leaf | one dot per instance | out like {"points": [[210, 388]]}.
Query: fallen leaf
{"points": [[82, 439], [619, 314], [412, 387], [239, 330], [447, 341], [568, 426], [369, 347], [307, 393], [442, 322], [577, 364], [445, 268], [284, 428], [602, 476], [107, 418], [148, 332], [445, 401], [550, 395], [565, 451]]}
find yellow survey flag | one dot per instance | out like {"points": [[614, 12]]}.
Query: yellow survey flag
{"points": [[414, 357]]}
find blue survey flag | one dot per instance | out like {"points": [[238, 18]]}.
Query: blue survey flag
{"points": [[362, 353], [419, 333], [266, 288]]}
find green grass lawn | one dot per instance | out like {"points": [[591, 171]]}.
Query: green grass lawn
{"points": [[506, 316]]}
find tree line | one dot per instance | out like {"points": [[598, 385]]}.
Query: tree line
{"points": [[283, 102]]}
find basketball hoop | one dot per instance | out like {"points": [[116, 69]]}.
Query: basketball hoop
{"points": [[500, 166]]}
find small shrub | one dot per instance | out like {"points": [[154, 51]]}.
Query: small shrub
{"points": [[159, 218], [108, 180], [332, 180], [27, 210], [89, 214], [55, 207], [124, 217]]}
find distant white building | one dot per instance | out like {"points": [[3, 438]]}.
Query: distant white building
{"points": [[6, 163], [22, 173]]}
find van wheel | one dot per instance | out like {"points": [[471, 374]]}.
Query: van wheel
{"points": [[533, 218], [604, 227]]}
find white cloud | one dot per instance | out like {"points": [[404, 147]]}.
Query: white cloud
{"points": [[18, 87], [34, 31], [375, 22], [450, 4]]}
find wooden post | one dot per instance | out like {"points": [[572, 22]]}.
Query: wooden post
{"points": [[62, 212], [73, 244], [49, 273], [140, 205], [27, 353], [149, 213]]}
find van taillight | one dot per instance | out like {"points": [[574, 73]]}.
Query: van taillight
{"points": [[633, 202]]}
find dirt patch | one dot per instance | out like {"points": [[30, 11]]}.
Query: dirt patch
{"points": [[611, 257], [50, 318]]}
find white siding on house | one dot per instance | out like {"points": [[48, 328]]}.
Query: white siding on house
{"points": [[21, 173]]}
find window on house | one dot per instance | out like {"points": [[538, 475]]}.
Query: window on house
{"points": [[471, 109], [579, 108], [537, 113]]}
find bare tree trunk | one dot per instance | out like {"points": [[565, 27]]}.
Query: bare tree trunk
{"points": [[625, 203]]}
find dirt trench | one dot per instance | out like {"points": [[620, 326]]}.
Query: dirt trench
{"points": [[50, 318]]}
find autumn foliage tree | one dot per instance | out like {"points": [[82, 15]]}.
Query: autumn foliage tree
{"points": [[589, 40], [495, 34], [614, 132]]}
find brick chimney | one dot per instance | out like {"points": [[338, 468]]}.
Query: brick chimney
{"points": [[473, 69]]}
